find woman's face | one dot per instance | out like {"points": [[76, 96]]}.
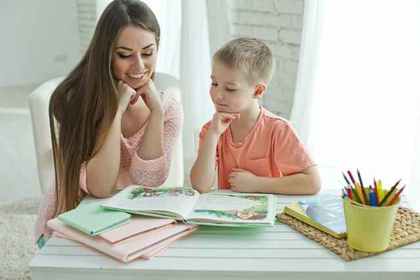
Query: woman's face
{"points": [[134, 56]]}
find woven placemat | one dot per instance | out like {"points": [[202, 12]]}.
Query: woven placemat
{"points": [[406, 230]]}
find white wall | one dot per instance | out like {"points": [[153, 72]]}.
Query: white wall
{"points": [[88, 12], [18, 173], [39, 40]]}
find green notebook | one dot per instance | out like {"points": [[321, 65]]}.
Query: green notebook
{"points": [[93, 219]]}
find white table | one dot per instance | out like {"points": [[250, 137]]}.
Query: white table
{"points": [[223, 253]]}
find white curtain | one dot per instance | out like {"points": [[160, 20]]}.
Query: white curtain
{"points": [[358, 94], [168, 13], [185, 53], [195, 76]]}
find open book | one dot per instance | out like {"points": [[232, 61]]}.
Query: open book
{"points": [[324, 212], [217, 208]]}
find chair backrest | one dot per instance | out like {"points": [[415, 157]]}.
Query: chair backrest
{"points": [[38, 104]]}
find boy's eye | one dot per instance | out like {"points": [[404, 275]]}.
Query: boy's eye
{"points": [[214, 84], [147, 54], [230, 89]]}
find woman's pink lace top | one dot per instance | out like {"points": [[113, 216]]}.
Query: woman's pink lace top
{"points": [[133, 169]]}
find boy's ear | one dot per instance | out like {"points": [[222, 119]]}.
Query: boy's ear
{"points": [[260, 89]]}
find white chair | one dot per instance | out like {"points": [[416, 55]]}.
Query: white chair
{"points": [[38, 104]]}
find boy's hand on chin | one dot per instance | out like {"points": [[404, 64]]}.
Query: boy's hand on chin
{"points": [[242, 180], [221, 121]]}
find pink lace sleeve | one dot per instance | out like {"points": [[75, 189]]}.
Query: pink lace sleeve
{"points": [[154, 172]]}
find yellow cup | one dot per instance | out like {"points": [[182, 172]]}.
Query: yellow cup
{"points": [[369, 228]]}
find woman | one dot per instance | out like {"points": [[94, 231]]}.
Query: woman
{"points": [[112, 126]]}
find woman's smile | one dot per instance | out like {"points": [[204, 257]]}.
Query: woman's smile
{"points": [[137, 80]]}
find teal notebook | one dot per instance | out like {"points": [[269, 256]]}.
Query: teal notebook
{"points": [[93, 219]]}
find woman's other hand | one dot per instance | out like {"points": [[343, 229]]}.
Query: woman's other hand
{"points": [[125, 95], [150, 96]]}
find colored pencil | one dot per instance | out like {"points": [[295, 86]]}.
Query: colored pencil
{"points": [[388, 194], [353, 191], [372, 197], [349, 193], [380, 190], [360, 178], [345, 178], [351, 177], [343, 195], [375, 189], [365, 196], [395, 196], [357, 188]]}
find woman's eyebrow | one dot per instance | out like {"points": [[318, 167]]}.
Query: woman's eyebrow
{"points": [[148, 46], [128, 49], [124, 48]]}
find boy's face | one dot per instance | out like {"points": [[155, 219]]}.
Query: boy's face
{"points": [[230, 91]]}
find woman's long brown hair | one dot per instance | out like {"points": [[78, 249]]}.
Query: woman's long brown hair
{"points": [[83, 106]]}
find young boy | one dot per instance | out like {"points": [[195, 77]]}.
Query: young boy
{"points": [[253, 149]]}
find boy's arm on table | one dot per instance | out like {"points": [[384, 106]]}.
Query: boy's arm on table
{"points": [[306, 182], [203, 172]]}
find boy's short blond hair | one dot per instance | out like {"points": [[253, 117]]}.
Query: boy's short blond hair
{"points": [[249, 55]]}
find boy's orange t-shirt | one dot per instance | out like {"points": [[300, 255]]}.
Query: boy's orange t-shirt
{"points": [[271, 149]]}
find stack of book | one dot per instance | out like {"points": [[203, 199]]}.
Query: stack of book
{"points": [[117, 234]]}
